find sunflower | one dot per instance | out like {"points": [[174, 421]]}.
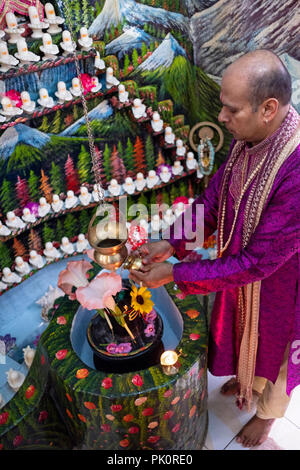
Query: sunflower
{"points": [[141, 299]]}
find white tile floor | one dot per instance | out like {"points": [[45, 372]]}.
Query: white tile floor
{"points": [[226, 420]]}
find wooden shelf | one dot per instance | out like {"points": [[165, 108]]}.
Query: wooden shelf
{"points": [[80, 207], [45, 64]]}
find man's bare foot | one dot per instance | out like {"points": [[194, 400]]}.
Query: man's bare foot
{"points": [[255, 432], [230, 388]]}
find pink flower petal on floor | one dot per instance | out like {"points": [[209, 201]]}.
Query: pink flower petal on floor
{"points": [[194, 336]]}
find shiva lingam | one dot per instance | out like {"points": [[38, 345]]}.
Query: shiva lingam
{"points": [[35, 24], [109, 242]]}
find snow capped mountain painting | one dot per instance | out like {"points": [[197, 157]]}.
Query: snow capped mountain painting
{"points": [[102, 111], [135, 14], [132, 38], [21, 134], [164, 55]]}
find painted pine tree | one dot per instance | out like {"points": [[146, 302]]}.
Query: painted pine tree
{"points": [[128, 157], [84, 166], [84, 220], [56, 123], [33, 186], [117, 165], [149, 153], [18, 248], [34, 241], [106, 163], [59, 230], [7, 196], [45, 126], [5, 256], [22, 192], [56, 179], [126, 64], [45, 187], [70, 226], [48, 234], [139, 156], [71, 175]]}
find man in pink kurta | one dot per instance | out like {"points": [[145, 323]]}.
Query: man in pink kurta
{"points": [[272, 252]]}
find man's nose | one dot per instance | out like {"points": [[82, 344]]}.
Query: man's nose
{"points": [[222, 116]]}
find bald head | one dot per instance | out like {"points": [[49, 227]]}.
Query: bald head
{"points": [[264, 75]]}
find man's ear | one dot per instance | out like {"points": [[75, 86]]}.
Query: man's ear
{"points": [[269, 109]]}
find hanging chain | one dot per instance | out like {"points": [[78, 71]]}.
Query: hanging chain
{"points": [[95, 158]]}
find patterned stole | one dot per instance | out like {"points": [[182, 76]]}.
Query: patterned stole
{"points": [[285, 141]]}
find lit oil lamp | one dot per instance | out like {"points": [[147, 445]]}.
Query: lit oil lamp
{"points": [[169, 362]]}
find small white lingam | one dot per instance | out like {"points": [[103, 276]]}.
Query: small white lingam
{"points": [[85, 41], [44, 207], [71, 200], [110, 79], [168, 217], [180, 148], [51, 252], [191, 162], [169, 136], [15, 379], [140, 181], [75, 88], [85, 197], [4, 231], [27, 216], [157, 123], [49, 49], [155, 223], [9, 277], [52, 19], [82, 243], [177, 168], [13, 221], [36, 24], [66, 246], [36, 260], [28, 354], [27, 104], [114, 187], [67, 44], [99, 63], [22, 267], [56, 204], [6, 60], [138, 109], [62, 93], [129, 186], [96, 85], [179, 209], [165, 174], [152, 179], [8, 109], [12, 28], [123, 94], [45, 100]]}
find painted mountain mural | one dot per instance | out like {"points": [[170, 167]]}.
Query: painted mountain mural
{"points": [[230, 28], [135, 14]]}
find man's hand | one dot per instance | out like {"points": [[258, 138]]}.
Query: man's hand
{"points": [[153, 275], [155, 252]]}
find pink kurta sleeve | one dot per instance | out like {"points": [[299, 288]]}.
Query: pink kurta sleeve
{"points": [[274, 241], [179, 237]]}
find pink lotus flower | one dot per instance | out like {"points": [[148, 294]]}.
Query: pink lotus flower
{"points": [[98, 293], [61, 320], [153, 439], [86, 81], [61, 354], [112, 348], [168, 415], [73, 276], [133, 430], [105, 427], [147, 412]]}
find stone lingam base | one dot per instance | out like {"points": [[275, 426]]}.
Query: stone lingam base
{"points": [[115, 350]]}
